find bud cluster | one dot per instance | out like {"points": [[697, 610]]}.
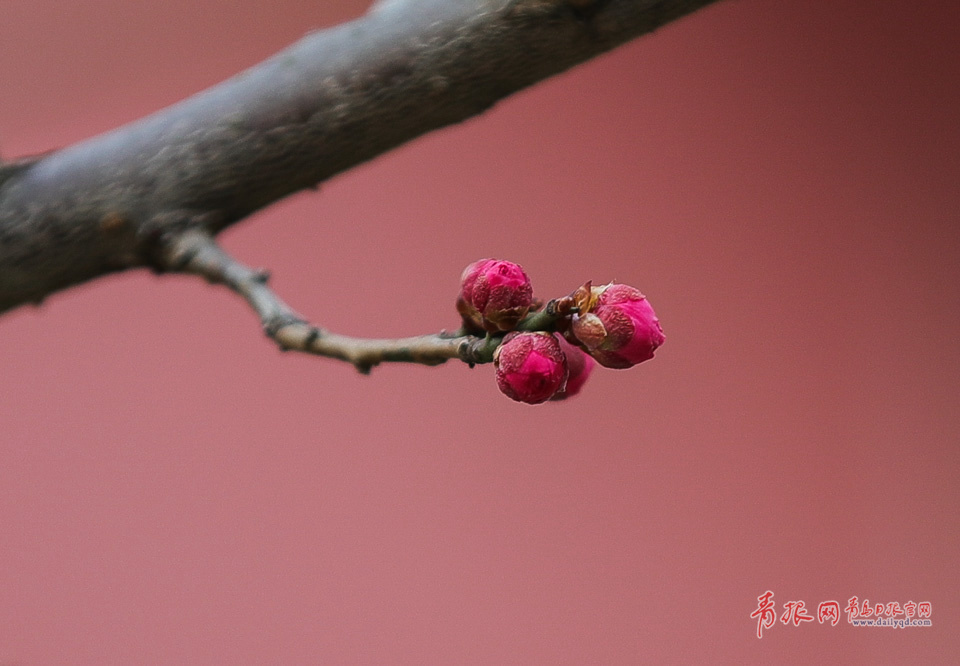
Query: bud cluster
{"points": [[612, 325]]}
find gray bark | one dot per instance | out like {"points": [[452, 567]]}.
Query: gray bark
{"points": [[334, 99]]}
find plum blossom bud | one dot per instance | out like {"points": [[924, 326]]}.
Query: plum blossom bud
{"points": [[494, 295], [580, 366], [531, 367], [616, 324]]}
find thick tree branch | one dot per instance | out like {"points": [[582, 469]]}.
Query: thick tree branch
{"points": [[336, 98]]}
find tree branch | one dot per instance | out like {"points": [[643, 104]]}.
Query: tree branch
{"points": [[337, 98], [196, 252]]}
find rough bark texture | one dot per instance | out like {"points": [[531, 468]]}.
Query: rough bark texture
{"points": [[336, 98]]}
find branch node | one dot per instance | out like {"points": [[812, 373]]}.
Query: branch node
{"points": [[273, 325], [312, 337], [363, 367], [179, 262]]}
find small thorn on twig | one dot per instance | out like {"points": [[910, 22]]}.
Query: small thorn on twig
{"points": [[261, 275]]}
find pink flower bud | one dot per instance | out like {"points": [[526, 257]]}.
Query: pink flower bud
{"points": [[531, 367], [580, 366], [494, 295], [616, 324]]}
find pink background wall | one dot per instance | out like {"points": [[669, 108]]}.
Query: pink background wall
{"points": [[780, 178]]}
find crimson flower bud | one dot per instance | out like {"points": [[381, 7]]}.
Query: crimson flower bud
{"points": [[531, 367], [494, 295], [580, 366], [616, 324]]}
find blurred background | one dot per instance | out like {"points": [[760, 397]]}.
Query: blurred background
{"points": [[781, 180]]}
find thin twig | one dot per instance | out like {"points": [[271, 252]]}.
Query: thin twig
{"points": [[196, 252]]}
